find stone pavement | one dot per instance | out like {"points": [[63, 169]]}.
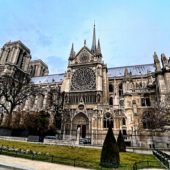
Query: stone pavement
{"points": [[152, 169], [27, 164]]}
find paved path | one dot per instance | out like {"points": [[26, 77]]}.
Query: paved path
{"points": [[152, 169], [27, 164]]}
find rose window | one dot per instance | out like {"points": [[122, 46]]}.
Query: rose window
{"points": [[83, 79]]}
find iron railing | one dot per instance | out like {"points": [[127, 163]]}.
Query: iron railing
{"points": [[163, 157]]}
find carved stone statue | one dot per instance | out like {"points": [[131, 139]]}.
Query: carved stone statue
{"points": [[156, 62], [126, 72], [164, 61]]}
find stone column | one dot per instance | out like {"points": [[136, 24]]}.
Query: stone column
{"points": [[45, 101], [1, 55], [27, 60], [105, 87], [1, 50], [101, 122], [35, 103], [114, 123], [5, 54], [40, 102], [92, 134], [23, 62], [32, 101], [20, 59], [12, 52], [26, 104], [15, 57], [38, 70]]}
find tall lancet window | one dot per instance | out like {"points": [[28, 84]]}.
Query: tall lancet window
{"points": [[107, 120]]}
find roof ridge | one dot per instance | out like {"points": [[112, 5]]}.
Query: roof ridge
{"points": [[49, 75], [131, 66]]}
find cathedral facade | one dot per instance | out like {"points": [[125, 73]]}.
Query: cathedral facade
{"points": [[95, 96]]}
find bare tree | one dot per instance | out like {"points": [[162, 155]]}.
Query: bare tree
{"points": [[37, 122], [158, 116], [162, 111], [14, 92], [57, 105]]}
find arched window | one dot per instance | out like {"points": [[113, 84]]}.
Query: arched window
{"points": [[107, 120], [110, 88], [148, 120], [111, 101], [120, 89], [145, 101], [124, 134], [123, 121]]}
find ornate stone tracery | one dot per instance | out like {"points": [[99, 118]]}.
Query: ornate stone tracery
{"points": [[83, 79], [84, 57]]}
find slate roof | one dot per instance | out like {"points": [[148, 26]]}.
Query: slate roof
{"points": [[48, 79], [136, 70]]}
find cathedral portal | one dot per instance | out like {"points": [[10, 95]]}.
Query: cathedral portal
{"points": [[81, 121]]}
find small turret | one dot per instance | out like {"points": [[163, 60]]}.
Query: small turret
{"points": [[98, 47], [126, 73], [72, 53], [156, 62], [164, 61]]}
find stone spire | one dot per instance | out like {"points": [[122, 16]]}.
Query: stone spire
{"points": [[72, 53], [98, 47], [156, 62], [93, 48]]}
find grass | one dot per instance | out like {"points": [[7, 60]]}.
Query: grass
{"points": [[70, 155]]}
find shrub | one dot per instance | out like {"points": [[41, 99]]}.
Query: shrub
{"points": [[121, 143], [110, 151]]}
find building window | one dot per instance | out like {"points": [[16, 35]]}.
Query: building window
{"points": [[121, 102], [108, 120], [148, 120], [145, 101], [110, 88], [124, 134], [111, 101], [123, 121], [120, 89]]}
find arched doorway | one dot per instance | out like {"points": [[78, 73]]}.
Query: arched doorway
{"points": [[81, 121]]}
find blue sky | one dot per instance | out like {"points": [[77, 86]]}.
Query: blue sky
{"points": [[129, 30]]}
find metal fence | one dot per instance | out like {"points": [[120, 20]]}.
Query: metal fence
{"points": [[29, 154], [163, 157]]}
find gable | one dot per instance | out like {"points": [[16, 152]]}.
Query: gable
{"points": [[84, 55]]}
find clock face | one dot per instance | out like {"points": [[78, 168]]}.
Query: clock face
{"points": [[83, 79], [84, 58]]}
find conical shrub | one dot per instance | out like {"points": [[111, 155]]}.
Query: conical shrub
{"points": [[110, 151], [121, 143]]}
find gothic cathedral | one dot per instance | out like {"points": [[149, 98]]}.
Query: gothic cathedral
{"points": [[96, 97]]}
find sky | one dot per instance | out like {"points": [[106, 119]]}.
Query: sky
{"points": [[129, 30]]}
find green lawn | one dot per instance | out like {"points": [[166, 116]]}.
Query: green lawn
{"points": [[85, 157]]}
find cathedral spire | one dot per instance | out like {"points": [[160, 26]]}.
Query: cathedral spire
{"points": [[93, 48], [98, 47], [72, 52]]}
